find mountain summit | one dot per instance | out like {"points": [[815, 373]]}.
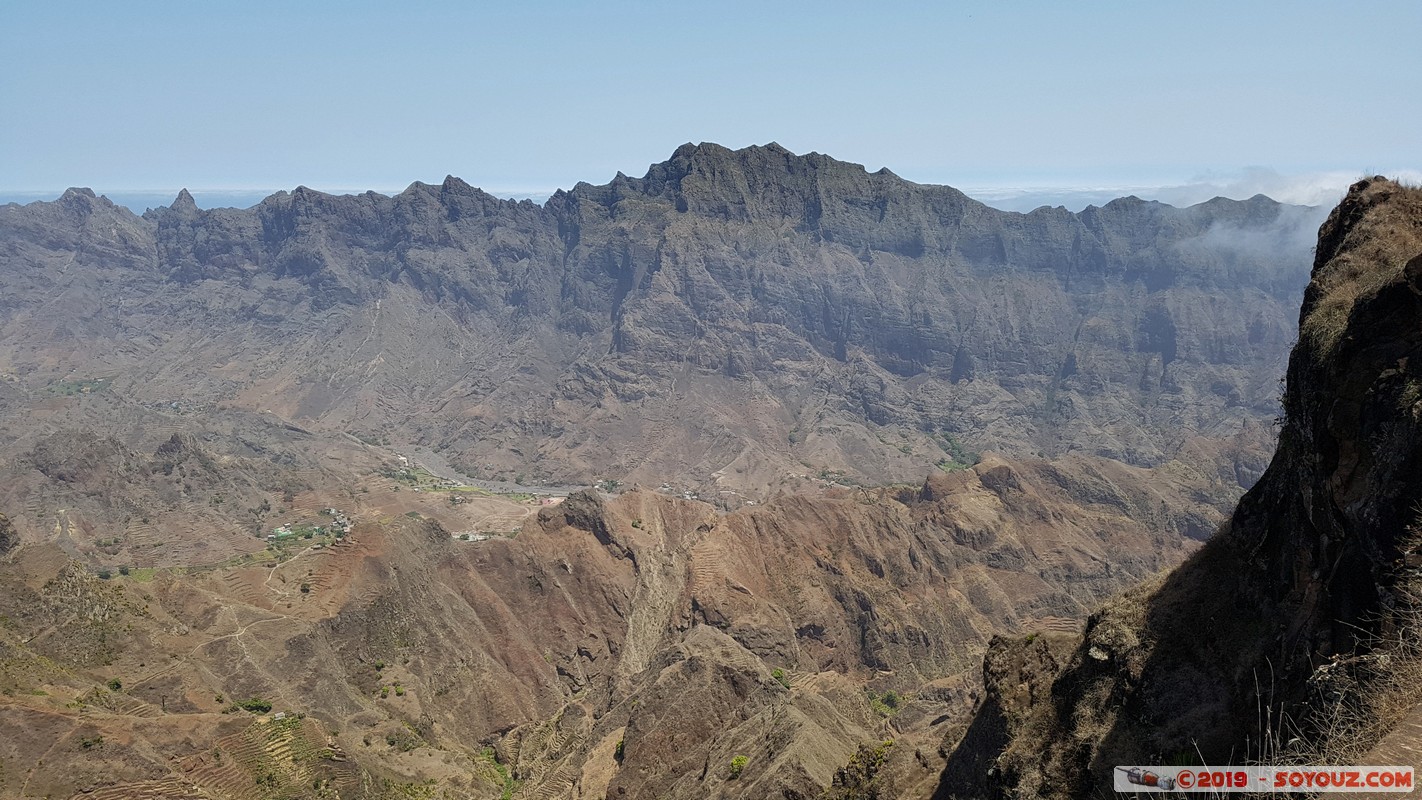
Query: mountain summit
{"points": [[720, 322]]}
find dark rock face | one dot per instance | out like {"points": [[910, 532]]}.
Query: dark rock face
{"points": [[9, 537], [732, 312], [1335, 512], [1309, 584], [75, 456]]}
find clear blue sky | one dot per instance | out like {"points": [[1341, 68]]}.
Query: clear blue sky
{"points": [[528, 96]]}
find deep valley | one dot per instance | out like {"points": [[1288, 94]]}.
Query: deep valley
{"points": [[761, 475]]}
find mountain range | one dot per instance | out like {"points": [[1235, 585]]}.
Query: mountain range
{"points": [[333, 458], [730, 321]]}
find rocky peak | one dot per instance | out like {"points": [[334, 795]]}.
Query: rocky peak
{"points": [[756, 182], [75, 192], [87, 226], [82, 201], [178, 446], [184, 203], [458, 186]]}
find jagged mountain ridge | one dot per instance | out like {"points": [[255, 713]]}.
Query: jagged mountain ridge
{"points": [[727, 320]]}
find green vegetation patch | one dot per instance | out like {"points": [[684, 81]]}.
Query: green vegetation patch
{"points": [[417, 477], [256, 705], [959, 456], [140, 574], [886, 704], [510, 784], [81, 387]]}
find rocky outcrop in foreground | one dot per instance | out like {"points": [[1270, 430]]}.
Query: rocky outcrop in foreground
{"points": [[1291, 636]]}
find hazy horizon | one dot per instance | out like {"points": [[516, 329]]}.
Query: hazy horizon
{"points": [[1019, 102], [1305, 189]]}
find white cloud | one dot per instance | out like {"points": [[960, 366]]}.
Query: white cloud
{"points": [[1306, 189], [1309, 189]]}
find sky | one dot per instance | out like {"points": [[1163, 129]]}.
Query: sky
{"points": [[1015, 101]]}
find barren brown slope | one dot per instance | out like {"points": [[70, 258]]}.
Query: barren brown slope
{"points": [[1292, 635], [646, 620], [117, 483]]}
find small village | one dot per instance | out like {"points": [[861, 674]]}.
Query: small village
{"points": [[339, 527]]}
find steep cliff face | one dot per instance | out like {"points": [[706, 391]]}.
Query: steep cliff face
{"points": [[721, 322], [915, 307], [1302, 613]]}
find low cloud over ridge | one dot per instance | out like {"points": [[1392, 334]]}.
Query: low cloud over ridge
{"points": [[1309, 189]]}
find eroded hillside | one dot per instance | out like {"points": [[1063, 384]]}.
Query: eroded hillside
{"points": [[632, 646]]}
